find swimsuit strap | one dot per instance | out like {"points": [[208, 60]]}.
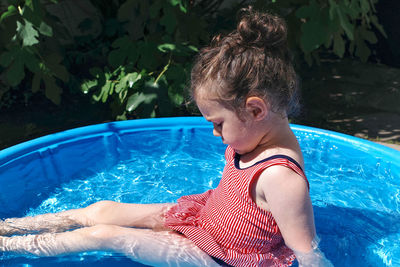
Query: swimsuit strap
{"points": [[278, 156], [276, 160]]}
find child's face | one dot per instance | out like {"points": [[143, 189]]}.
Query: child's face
{"points": [[227, 125]]}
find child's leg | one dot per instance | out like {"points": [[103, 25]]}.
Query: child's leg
{"points": [[103, 212], [143, 245], [51, 222]]}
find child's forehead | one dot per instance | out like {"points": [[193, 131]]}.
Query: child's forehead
{"points": [[208, 106], [206, 92], [205, 102]]}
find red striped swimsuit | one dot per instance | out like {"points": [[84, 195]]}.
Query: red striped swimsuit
{"points": [[227, 224]]}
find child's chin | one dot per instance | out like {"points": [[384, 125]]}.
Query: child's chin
{"points": [[237, 151]]}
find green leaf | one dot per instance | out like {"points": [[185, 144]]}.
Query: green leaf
{"points": [[38, 8], [15, 72], [313, 36], [128, 81], [374, 20], [332, 9], [54, 58], [177, 99], [166, 47], [121, 117], [178, 2], [11, 10], [132, 78], [155, 8], [126, 10], [177, 73], [100, 78], [125, 50], [365, 7], [27, 33], [33, 64], [148, 56], [304, 12], [52, 90], [120, 86], [183, 8], [308, 11], [132, 55], [37, 78], [88, 85], [169, 20], [175, 2], [121, 42], [112, 27], [111, 91], [193, 48], [138, 98], [122, 95], [6, 58], [85, 25], [96, 72], [338, 45], [177, 49], [368, 35], [52, 62], [362, 51], [345, 23], [352, 9], [45, 29], [101, 93], [34, 16], [60, 72], [106, 91], [31, 61]]}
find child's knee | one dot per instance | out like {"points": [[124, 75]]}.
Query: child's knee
{"points": [[113, 237], [100, 206], [103, 232], [96, 211]]}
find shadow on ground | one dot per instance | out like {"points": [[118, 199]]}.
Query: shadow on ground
{"points": [[359, 99]]}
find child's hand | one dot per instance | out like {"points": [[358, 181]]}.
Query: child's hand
{"points": [[314, 258]]}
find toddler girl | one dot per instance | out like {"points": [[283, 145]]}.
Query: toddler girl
{"points": [[259, 215]]}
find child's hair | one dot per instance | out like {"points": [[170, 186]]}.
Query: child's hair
{"points": [[253, 60]]}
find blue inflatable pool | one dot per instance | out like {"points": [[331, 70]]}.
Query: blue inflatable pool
{"points": [[355, 184]]}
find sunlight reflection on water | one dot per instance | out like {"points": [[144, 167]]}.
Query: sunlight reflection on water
{"points": [[355, 195]]}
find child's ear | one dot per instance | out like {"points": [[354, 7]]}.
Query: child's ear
{"points": [[256, 107]]}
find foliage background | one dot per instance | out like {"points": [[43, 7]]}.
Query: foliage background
{"points": [[123, 59]]}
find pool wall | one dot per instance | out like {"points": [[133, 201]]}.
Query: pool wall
{"points": [[48, 161]]}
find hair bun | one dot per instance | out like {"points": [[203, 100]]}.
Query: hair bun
{"points": [[261, 29]]}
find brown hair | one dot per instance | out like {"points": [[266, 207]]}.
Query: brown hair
{"points": [[253, 60]]}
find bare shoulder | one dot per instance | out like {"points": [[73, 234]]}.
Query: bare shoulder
{"points": [[279, 185], [276, 179]]}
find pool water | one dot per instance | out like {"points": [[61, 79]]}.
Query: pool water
{"points": [[355, 195]]}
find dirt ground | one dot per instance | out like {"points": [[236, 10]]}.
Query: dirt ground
{"points": [[359, 99], [355, 98]]}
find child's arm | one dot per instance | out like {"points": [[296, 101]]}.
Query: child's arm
{"points": [[286, 194], [313, 258]]}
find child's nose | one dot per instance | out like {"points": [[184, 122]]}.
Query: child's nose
{"points": [[216, 133]]}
